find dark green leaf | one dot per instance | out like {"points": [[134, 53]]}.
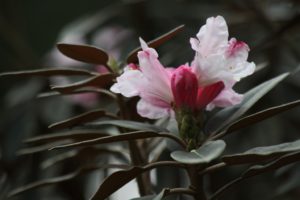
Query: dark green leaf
{"points": [[205, 154], [132, 57], [98, 81], [41, 148], [51, 181], [129, 125], [280, 162], [80, 119], [86, 154], [262, 153], [230, 114], [79, 91], [116, 181], [76, 135], [260, 169], [84, 53], [117, 138], [259, 116], [50, 72], [148, 197]]}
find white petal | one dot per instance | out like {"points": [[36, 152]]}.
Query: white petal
{"points": [[128, 84], [150, 111], [243, 69], [213, 36]]}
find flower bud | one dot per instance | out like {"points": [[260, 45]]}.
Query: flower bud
{"points": [[184, 85]]}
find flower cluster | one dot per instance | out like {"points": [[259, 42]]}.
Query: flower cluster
{"points": [[205, 83]]}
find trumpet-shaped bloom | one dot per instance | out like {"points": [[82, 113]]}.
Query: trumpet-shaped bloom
{"points": [[163, 89], [217, 66], [218, 59]]}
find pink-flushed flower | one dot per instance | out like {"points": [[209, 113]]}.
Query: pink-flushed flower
{"points": [[163, 89], [188, 93], [218, 59]]}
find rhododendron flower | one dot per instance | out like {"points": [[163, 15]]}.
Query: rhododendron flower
{"points": [[217, 66], [218, 59], [163, 89]]}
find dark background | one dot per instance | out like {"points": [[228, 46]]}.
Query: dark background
{"points": [[30, 29]]}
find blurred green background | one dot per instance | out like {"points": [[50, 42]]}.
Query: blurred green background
{"points": [[30, 29]]}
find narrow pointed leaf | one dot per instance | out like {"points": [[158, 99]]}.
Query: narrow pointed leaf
{"points": [[51, 181], [84, 53], [259, 169], [116, 181], [117, 138], [132, 57], [79, 91], [259, 154], [280, 162], [49, 72], [260, 116], [76, 135], [80, 119], [41, 148], [205, 154], [98, 81], [230, 114], [129, 125]]}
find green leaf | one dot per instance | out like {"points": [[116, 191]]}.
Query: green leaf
{"points": [[82, 118], [230, 114], [79, 91], [259, 154], [259, 169], [280, 162], [257, 117], [99, 81], [86, 154], [132, 57], [129, 125], [51, 181], [205, 154], [41, 148], [116, 181], [84, 53], [50, 72], [76, 135], [118, 138], [148, 197]]}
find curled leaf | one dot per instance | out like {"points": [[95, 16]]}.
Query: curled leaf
{"points": [[205, 154]]}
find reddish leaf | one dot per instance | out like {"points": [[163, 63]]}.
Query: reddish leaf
{"points": [[84, 53], [82, 118], [49, 72], [99, 81], [76, 135], [132, 57]]}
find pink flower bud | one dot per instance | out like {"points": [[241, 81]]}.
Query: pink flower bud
{"points": [[184, 85], [208, 94]]}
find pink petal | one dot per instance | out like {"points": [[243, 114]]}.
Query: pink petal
{"points": [[227, 97], [208, 94], [184, 86], [157, 76], [146, 109]]}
